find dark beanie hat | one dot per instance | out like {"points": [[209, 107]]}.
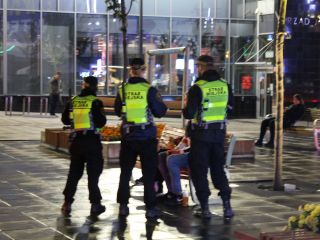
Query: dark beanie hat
{"points": [[137, 63], [205, 60], [91, 80]]}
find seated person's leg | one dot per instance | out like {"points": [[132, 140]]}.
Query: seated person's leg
{"points": [[162, 165], [175, 163], [263, 129], [270, 144]]}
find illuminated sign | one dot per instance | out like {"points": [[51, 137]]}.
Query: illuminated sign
{"points": [[304, 21]]}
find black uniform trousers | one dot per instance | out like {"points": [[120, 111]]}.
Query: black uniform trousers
{"points": [[147, 150], [204, 155], [85, 150]]}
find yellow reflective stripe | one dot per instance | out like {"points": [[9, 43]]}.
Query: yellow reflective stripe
{"points": [[216, 118], [217, 104]]}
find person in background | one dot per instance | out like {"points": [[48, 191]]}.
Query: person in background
{"points": [[55, 91], [142, 102], [86, 116], [207, 104], [292, 114]]}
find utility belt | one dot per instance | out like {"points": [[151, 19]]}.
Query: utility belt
{"points": [[205, 126], [131, 128], [83, 133]]}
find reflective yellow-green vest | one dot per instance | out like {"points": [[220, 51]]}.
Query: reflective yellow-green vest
{"points": [[214, 101], [136, 103], [81, 113]]}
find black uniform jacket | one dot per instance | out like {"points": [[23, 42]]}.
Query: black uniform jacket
{"points": [[213, 132], [98, 115], [156, 107]]}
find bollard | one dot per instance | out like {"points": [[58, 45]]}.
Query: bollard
{"points": [[24, 100], [8, 105], [43, 109]]}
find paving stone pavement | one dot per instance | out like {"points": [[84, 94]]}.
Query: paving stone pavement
{"points": [[32, 179]]}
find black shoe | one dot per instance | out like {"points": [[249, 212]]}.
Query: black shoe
{"points": [[269, 145], [227, 209], [175, 200], [153, 213], [139, 181], [123, 210], [97, 209], [66, 208], [165, 197], [258, 143], [203, 213]]}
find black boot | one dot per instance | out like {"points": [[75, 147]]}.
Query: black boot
{"points": [[203, 212], [227, 209]]}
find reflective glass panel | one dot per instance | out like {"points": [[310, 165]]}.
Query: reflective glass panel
{"points": [[23, 52], [49, 5], [163, 8], [24, 4], [115, 53], [149, 7], [91, 6], [243, 49], [91, 49], [58, 49], [237, 8], [185, 32], [214, 39], [208, 8], [182, 9], [222, 8], [156, 36], [250, 8], [66, 5]]}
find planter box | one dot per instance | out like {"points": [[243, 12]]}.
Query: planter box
{"points": [[52, 136], [290, 235], [244, 148], [64, 140]]}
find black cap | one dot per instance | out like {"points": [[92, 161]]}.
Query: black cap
{"points": [[92, 81], [137, 63], [205, 60]]}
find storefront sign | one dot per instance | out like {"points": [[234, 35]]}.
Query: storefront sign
{"points": [[303, 21]]}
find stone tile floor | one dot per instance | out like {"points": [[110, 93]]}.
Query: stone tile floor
{"points": [[32, 179]]}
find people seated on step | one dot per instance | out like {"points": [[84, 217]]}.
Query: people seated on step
{"points": [[170, 164], [292, 114]]}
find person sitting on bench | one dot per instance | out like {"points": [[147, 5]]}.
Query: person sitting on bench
{"points": [[292, 114], [170, 164]]}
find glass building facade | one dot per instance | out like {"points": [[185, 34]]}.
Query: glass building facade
{"points": [[302, 51], [79, 38]]}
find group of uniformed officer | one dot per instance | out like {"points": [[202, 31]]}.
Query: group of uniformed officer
{"points": [[208, 102]]}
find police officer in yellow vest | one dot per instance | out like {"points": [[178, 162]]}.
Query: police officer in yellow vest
{"points": [[207, 104], [85, 114], [139, 135]]}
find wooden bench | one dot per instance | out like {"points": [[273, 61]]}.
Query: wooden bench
{"points": [[310, 114], [108, 104], [174, 108]]}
